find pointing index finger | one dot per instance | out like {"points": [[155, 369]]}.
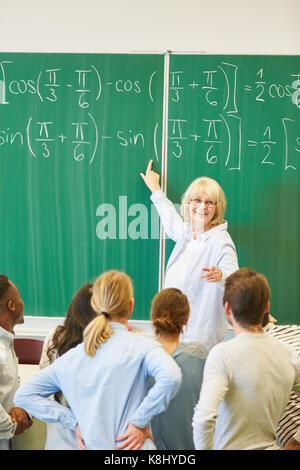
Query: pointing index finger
{"points": [[149, 165]]}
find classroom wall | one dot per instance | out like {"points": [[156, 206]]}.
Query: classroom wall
{"points": [[232, 26], [219, 26]]}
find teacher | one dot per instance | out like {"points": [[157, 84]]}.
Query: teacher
{"points": [[203, 256]]}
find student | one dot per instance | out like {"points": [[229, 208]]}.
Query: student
{"points": [[13, 420], [59, 341], [104, 378], [289, 422], [172, 429], [204, 254], [247, 380]]}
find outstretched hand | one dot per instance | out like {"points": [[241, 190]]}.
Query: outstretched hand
{"points": [[151, 178], [214, 274]]}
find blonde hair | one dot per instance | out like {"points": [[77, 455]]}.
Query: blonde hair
{"points": [[215, 193], [170, 311], [111, 296]]}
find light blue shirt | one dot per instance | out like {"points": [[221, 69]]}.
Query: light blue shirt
{"points": [[104, 392]]}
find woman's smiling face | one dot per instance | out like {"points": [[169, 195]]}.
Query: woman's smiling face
{"points": [[202, 212]]}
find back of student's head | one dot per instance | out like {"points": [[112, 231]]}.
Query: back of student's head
{"points": [[80, 311], [111, 296], [79, 315], [247, 293], [4, 285], [169, 312]]}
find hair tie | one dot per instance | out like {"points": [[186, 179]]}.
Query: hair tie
{"points": [[105, 314]]}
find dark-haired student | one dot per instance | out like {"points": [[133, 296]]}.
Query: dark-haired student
{"points": [[247, 380], [67, 336], [13, 420], [172, 429]]}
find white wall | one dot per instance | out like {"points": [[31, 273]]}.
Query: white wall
{"points": [[228, 26]]}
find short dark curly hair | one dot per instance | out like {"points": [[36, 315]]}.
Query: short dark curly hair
{"points": [[4, 285]]}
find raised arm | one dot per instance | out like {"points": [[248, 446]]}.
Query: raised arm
{"points": [[151, 178], [171, 220]]}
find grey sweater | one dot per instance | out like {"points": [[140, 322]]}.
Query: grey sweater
{"points": [[246, 385], [172, 429]]}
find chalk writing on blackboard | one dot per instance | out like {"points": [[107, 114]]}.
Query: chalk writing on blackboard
{"points": [[296, 92], [86, 88], [219, 123], [86, 83]]}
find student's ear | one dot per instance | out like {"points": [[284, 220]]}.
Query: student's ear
{"points": [[227, 309], [131, 305], [268, 307], [11, 306]]}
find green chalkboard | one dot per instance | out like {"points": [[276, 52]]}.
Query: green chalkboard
{"points": [[75, 131], [237, 119]]}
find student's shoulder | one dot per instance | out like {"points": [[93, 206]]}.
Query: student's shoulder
{"points": [[73, 355], [142, 340], [190, 356], [283, 331], [224, 350], [282, 343], [193, 349]]}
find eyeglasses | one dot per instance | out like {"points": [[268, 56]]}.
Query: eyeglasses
{"points": [[206, 203]]}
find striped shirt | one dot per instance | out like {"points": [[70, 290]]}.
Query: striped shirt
{"points": [[290, 420]]}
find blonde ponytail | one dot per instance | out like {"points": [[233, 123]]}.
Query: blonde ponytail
{"points": [[112, 293], [96, 332]]}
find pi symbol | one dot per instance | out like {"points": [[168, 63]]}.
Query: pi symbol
{"points": [[296, 94]]}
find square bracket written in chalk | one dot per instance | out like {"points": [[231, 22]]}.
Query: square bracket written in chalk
{"points": [[2, 93]]}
